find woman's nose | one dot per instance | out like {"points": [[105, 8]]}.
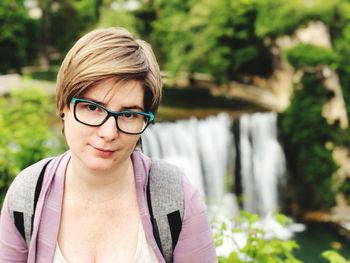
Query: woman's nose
{"points": [[109, 130]]}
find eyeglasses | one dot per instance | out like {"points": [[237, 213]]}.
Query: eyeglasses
{"points": [[93, 114]]}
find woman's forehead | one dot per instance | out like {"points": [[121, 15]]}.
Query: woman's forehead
{"points": [[111, 91]]}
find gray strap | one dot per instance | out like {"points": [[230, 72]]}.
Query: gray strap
{"points": [[167, 197], [21, 195]]}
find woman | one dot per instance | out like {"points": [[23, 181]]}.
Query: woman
{"points": [[92, 204]]}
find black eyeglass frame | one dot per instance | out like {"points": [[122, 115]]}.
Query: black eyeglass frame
{"points": [[149, 116]]}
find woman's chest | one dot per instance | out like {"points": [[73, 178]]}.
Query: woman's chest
{"points": [[99, 234]]}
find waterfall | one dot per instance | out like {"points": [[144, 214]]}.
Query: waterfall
{"points": [[205, 150], [262, 162]]}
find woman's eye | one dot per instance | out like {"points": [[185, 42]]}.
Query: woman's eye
{"points": [[91, 107], [128, 115]]}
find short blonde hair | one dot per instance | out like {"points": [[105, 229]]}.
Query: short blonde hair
{"points": [[108, 53]]}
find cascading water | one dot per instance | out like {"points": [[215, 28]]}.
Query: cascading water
{"points": [[204, 149], [262, 162]]}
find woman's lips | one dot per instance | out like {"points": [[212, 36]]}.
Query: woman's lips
{"points": [[103, 152]]}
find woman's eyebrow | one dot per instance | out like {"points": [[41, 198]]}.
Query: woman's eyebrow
{"points": [[96, 101], [131, 107], [135, 107]]}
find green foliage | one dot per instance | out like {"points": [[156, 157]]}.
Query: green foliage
{"points": [[18, 36], [257, 247], [22, 38], [305, 55], [334, 257], [32, 40], [341, 38], [305, 135], [227, 38], [306, 132], [67, 20], [25, 133], [117, 18], [289, 15], [50, 74], [215, 37]]}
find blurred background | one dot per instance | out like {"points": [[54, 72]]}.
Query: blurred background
{"points": [[255, 107]]}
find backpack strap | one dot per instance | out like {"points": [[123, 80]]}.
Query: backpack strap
{"points": [[165, 197], [24, 195]]}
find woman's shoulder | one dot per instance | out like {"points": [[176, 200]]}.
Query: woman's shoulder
{"points": [[23, 186], [168, 175], [166, 168], [166, 179], [171, 181], [28, 176]]}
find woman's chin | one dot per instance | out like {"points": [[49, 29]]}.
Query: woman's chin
{"points": [[99, 165]]}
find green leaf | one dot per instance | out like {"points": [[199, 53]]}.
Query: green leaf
{"points": [[333, 257]]}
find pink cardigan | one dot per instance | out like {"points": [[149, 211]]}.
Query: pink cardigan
{"points": [[195, 242]]}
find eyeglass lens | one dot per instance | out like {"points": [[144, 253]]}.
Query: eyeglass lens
{"points": [[95, 115]]}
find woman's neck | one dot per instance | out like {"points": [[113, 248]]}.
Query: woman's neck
{"points": [[99, 187]]}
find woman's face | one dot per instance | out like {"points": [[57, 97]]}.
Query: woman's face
{"points": [[103, 148]]}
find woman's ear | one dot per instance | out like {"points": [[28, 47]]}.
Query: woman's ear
{"points": [[62, 115]]}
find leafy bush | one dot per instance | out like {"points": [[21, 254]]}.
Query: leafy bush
{"points": [[256, 246], [26, 135], [305, 55], [334, 257], [305, 133]]}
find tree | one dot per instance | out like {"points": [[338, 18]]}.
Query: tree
{"points": [[305, 134], [63, 22], [18, 37], [215, 37]]}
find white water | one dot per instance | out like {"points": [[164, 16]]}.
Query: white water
{"points": [[203, 148], [262, 163]]}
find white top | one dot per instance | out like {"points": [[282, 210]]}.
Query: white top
{"points": [[143, 253]]}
